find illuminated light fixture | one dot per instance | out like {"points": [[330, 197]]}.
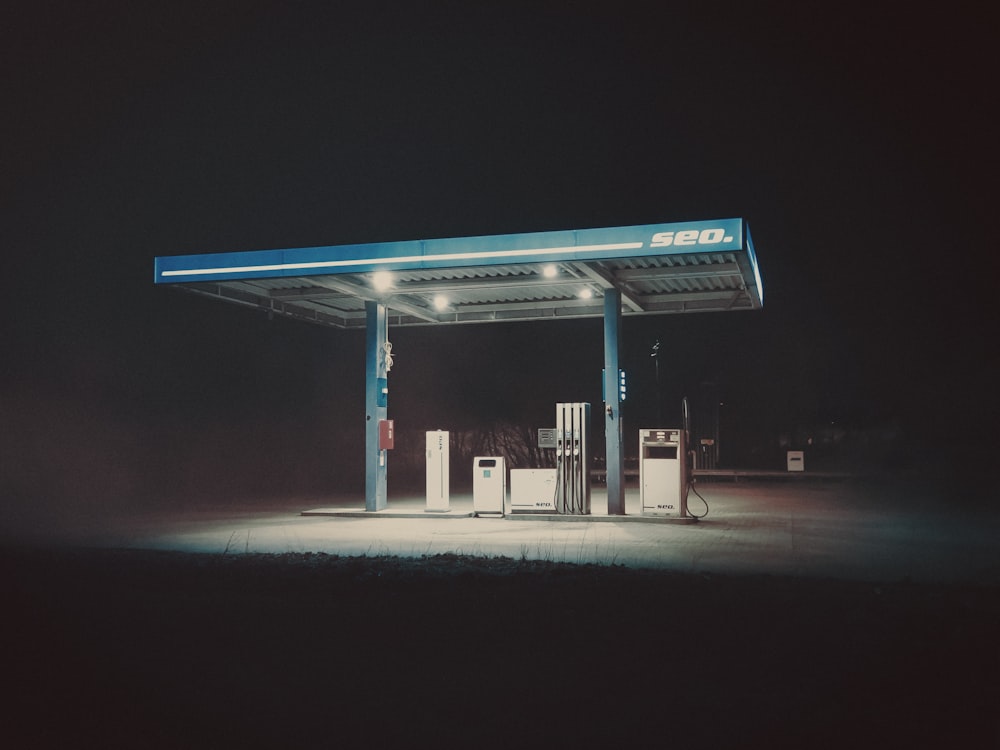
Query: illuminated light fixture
{"points": [[586, 293], [382, 281], [440, 302], [550, 271]]}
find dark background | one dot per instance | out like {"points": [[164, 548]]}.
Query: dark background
{"points": [[857, 141]]}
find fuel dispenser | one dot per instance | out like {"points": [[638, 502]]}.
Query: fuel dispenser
{"points": [[573, 458], [438, 489], [489, 485], [663, 472]]}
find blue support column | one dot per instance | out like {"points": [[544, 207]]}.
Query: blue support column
{"points": [[375, 405], [614, 451]]}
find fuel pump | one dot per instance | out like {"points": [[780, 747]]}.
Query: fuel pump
{"points": [[662, 472], [573, 458], [666, 469]]}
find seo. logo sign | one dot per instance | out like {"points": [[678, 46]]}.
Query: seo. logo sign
{"points": [[690, 237]]}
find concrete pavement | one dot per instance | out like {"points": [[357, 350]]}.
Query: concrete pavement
{"points": [[843, 530]]}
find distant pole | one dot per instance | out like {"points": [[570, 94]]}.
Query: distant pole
{"points": [[718, 437], [656, 366]]}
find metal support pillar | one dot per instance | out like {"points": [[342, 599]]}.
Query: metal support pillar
{"points": [[614, 450], [376, 394]]}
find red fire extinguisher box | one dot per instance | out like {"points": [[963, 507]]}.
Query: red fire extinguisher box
{"points": [[386, 435]]}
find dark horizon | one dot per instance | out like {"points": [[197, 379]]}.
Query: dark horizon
{"points": [[856, 143]]}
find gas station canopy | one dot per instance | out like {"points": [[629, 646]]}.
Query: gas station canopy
{"points": [[699, 266]]}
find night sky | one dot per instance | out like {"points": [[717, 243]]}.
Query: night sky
{"points": [[858, 143]]}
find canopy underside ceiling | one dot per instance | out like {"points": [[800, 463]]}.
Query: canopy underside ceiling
{"points": [[708, 282]]}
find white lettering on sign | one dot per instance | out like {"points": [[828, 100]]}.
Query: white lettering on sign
{"points": [[690, 237]]}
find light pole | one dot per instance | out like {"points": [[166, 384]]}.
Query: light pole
{"points": [[656, 366]]}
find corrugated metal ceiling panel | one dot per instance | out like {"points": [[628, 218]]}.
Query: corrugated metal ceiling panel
{"points": [[649, 284]]}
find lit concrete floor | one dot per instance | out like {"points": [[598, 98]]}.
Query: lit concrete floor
{"points": [[828, 530]]}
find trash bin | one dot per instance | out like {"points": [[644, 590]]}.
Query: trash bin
{"points": [[489, 485]]}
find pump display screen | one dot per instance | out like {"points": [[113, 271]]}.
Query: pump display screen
{"points": [[547, 437], [661, 451]]}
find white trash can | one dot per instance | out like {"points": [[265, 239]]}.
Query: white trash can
{"points": [[489, 485]]}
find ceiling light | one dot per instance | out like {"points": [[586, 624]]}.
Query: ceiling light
{"points": [[586, 293], [550, 271], [381, 280], [440, 302]]}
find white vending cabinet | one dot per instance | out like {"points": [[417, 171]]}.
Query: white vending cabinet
{"points": [[532, 490]]}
